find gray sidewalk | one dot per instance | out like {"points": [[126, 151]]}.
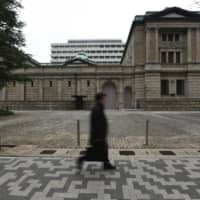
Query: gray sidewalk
{"points": [[46, 178]]}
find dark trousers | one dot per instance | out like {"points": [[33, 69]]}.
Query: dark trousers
{"points": [[98, 152]]}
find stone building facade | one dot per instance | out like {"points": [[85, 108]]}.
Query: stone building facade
{"points": [[160, 70], [54, 87], [164, 50]]}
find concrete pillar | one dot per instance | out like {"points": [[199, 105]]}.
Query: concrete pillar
{"points": [[174, 56], [121, 99], [148, 44], [198, 46], [98, 85], [78, 86], [41, 90], [193, 81], [152, 85], [60, 90], [133, 91], [157, 46], [189, 45], [4, 94], [172, 87]]}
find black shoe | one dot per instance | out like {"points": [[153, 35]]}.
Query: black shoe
{"points": [[79, 163], [109, 166]]}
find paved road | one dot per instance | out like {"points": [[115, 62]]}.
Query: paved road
{"points": [[57, 179], [127, 128]]}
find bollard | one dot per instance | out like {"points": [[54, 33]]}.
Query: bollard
{"points": [[147, 133], [0, 144], [78, 133]]}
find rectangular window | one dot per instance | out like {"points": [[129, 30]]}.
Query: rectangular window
{"points": [[164, 37], [163, 57], [177, 37], [178, 57], [171, 57], [164, 87], [50, 83], [170, 37], [88, 83], [180, 87], [32, 84], [69, 83], [14, 83]]}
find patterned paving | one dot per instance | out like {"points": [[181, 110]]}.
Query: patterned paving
{"points": [[57, 179]]}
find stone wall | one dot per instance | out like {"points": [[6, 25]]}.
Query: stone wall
{"points": [[152, 85], [43, 105], [193, 81], [38, 105], [170, 104]]}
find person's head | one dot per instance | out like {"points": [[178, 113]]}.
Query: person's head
{"points": [[101, 98]]}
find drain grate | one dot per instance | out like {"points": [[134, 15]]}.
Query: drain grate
{"points": [[167, 153], [48, 152], [8, 146], [127, 153]]}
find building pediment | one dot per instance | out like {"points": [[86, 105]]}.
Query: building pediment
{"points": [[173, 15], [79, 61], [173, 12]]}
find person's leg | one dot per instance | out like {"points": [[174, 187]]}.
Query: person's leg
{"points": [[88, 156], [80, 162], [85, 157], [107, 164]]}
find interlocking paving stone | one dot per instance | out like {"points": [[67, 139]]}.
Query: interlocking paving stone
{"points": [[45, 178]]}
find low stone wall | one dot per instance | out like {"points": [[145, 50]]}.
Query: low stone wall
{"points": [[42, 105], [165, 104], [170, 104]]}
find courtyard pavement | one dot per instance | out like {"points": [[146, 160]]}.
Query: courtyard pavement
{"points": [[57, 129], [46, 178]]}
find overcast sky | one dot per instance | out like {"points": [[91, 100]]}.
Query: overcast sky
{"points": [[52, 21]]}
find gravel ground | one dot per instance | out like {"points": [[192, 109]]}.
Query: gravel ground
{"points": [[127, 128]]}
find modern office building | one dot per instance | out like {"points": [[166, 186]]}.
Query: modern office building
{"points": [[100, 51], [159, 70]]}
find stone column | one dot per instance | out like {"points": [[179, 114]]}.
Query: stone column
{"points": [[172, 87], [152, 85], [60, 90], [4, 94], [133, 92], [41, 90], [198, 46], [97, 85], [157, 56], [121, 99], [189, 45], [148, 45], [78, 86]]}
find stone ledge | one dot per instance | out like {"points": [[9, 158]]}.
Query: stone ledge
{"points": [[29, 150], [170, 104], [42, 105]]}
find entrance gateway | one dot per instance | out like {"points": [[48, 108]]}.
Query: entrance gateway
{"points": [[110, 90], [127, 97]]}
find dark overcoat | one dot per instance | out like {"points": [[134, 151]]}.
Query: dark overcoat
{"points": [[98, 151], [98, 125]]}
